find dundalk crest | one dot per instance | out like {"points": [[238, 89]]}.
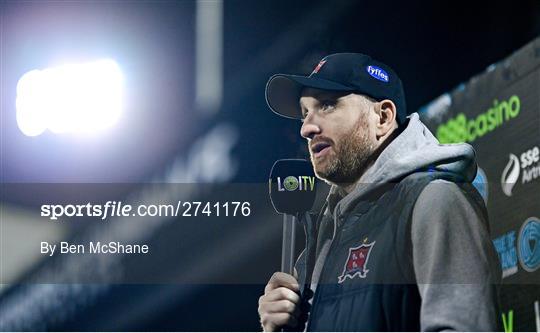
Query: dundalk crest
{"points": [[356, 262]]}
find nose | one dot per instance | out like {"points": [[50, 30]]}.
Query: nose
{"points": [[309, 128]]}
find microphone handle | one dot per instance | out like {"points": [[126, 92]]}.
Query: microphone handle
{"points": [[287, 250], [287, 246], [287, 260]]}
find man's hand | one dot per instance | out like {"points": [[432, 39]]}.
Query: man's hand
{"points": [[280, 304]]}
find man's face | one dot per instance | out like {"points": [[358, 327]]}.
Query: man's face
{"points": [[340, 137]]}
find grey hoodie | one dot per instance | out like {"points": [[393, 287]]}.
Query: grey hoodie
{"points": [[455, 265]]}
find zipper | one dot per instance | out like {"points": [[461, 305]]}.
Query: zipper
{"points": [[316, 296]]}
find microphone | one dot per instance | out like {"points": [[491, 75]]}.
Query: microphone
{"points": [[292, 186], [293, 189]]}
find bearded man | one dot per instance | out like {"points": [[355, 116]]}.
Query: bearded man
{"points": [[403, 240]]}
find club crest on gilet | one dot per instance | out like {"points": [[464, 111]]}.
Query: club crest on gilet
{"points": [[356, 264]]}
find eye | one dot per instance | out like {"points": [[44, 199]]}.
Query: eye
{"points": [[327, 106], [304, 114]]}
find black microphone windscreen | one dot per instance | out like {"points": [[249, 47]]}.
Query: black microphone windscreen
{"points": [[292, 185]]}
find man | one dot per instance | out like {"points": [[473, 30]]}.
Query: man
{"points": [[403, 242]]}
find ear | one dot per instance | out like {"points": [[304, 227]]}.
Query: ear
{"points": [[386, 120]]}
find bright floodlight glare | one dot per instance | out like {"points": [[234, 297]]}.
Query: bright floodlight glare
{"points": [[70, 98]]}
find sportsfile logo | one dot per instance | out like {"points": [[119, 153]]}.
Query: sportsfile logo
{"points": [[377, 73], [461, 129], [292, 183], [527, 166]]}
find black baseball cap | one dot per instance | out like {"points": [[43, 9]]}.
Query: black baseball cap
{"points": [[354, 72]]}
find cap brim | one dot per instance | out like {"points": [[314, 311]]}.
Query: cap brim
{"points": [[283, 92]]}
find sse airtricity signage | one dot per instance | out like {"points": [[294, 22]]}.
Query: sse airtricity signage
{"points": [[523, 169]]}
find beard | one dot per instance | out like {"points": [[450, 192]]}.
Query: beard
{"points": [[350, 158]]}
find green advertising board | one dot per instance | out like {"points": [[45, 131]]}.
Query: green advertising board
{"points": [[498, 113]]}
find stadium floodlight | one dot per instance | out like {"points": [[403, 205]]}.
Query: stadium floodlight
{"points": [[70, 98]]}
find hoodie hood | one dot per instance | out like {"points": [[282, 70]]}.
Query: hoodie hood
{"points": [[414, 150]]}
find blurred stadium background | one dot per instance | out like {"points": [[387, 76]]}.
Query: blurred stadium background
{"points": [[194, 112]]}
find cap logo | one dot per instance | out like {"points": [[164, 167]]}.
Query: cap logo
{"points": [[321, 63], [377, 73]]}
